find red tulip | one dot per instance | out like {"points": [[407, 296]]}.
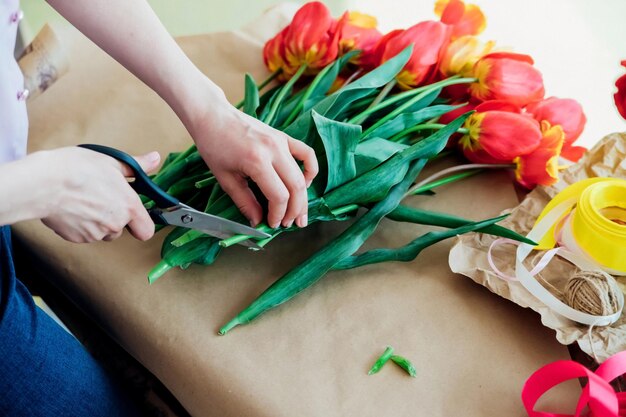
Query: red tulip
{"points": [[507, 76], [465, 19], [427, 38], [273, 52], [495, 134], [311, 39], [540, 167], [359, 32], [620, 95], [566, 113]]}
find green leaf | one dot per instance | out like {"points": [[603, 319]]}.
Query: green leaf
{"points": [[251, 98], [339, 140], [373, 185], [332, 105], [326, 80], [416, 215], [411, 250], [373, 152], [311, 270], [406, 120]]}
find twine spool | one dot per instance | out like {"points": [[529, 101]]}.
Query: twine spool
{"points": [[592, 292]]}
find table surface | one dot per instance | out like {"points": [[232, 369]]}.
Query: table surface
{"points": [[472, 350]]}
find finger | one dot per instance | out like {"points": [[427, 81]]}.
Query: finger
{"points": [[148, 162], [289, 172], [306, 154], [112, 236], [140, 225], [243, 197], [274, 190]]}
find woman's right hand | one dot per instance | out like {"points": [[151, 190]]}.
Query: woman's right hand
{"points": [[89, 198]]}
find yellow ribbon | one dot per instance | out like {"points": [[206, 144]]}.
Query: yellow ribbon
{"points": [[597, 223]]}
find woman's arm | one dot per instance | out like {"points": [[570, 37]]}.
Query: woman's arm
{"points": [[234, 145]]}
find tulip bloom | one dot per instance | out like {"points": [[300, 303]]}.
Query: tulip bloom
{"points": [[566, 113], [427, 38], [507, 76], [461, 55], [497, 135], [620, 95], [464, 19], [540, 167], [311, 39], [360, 33]]}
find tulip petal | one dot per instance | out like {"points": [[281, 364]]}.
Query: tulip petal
{"points": [[567, 113], [573, 153], [427, 38], [453, 12], [540, 167], [620, 95]]}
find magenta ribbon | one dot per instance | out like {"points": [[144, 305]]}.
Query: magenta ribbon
{"points": [[597, 394]]}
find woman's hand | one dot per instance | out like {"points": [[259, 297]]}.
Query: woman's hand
{"points": [[237, 147], [80, 194], [95, 202]]}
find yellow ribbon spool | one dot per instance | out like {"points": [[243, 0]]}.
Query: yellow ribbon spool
{"points": [[598, 223]]}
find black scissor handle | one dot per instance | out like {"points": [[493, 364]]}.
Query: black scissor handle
{"points": [[142, 184]]}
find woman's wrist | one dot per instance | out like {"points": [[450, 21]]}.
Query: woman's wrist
{"points": [[199, 103], [32, 186]]}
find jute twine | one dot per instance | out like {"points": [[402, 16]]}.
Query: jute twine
{"points": [[592, 292]]}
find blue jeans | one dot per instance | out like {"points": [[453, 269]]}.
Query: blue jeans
{"points": [[44, 371]]}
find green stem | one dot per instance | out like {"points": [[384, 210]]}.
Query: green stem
{"points": [[456, 168], [233, 240], [380, 97], [413, 100], [281, 95], [296, 110], [206, 182], [159, 269], [444, 181], [401, 96], [263, 84], [426, 126]]}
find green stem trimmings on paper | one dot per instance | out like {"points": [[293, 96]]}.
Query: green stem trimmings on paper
{"points": [[405, 364], [401, 361], [381, 361]]}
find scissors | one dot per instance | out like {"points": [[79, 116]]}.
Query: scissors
{"points": [[170, 211]]}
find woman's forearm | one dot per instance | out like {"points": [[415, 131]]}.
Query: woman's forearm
{"points": [[131, 33], [26, 190]]}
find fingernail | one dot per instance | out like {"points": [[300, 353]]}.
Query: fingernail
{"points": [[153, 156], [303, 220], [288, 223], [308, 183]]}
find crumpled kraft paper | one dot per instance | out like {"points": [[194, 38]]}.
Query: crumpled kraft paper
{"points": [[43, 62], [309, 357], [469, 254]]}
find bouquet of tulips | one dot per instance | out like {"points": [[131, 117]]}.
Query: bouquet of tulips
{"points": [[377, 109]]}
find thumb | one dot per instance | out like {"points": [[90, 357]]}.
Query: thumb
{"points": [[148, 162]]}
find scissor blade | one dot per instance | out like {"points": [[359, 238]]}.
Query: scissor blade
{"points": [[213, 225]]}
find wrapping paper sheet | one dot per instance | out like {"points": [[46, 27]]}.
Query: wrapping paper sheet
{"points": [[310, 357], [469, 255]]}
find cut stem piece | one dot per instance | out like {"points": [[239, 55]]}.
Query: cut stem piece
{"points": [[381, 361]]}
